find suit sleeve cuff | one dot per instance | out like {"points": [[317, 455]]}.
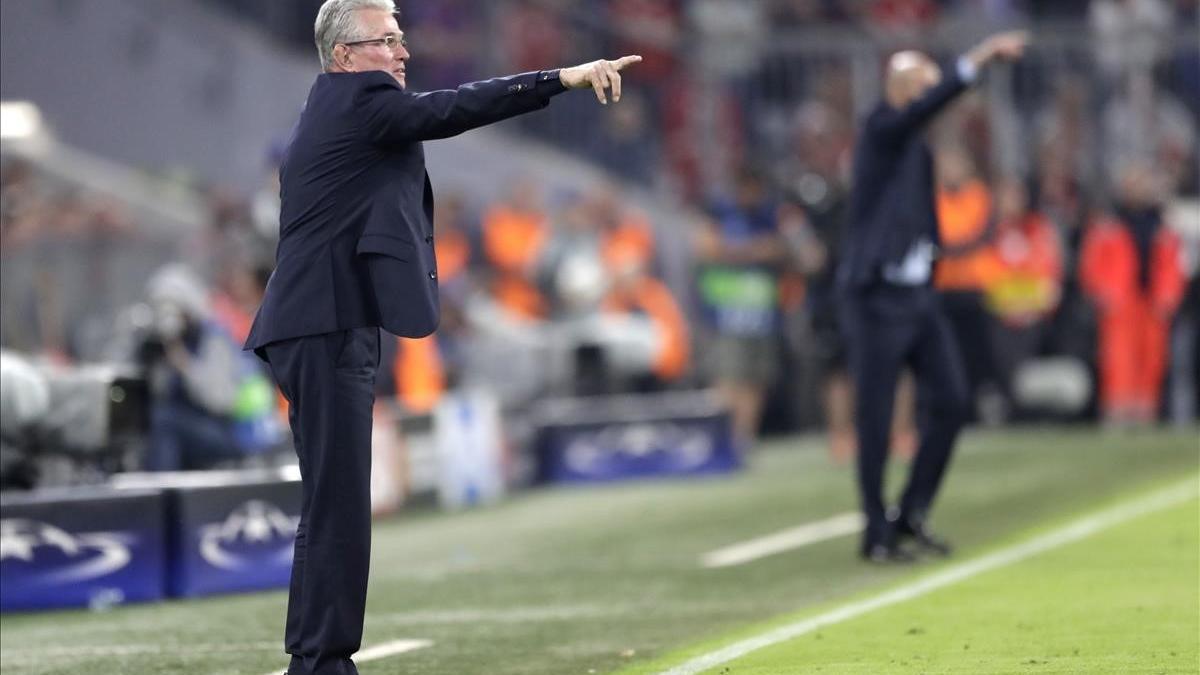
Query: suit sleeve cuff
{"points": [[548, 83]]}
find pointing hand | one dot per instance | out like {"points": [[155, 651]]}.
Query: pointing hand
{"points": [[599, 75]]}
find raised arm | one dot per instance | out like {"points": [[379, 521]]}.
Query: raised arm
{"points": [[897, 124], [916, 91]]}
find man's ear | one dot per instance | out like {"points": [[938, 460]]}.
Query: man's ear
{"points": [[341, 56]]}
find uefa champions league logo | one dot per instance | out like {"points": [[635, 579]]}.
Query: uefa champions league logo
{"points": [[677, 447], [255, 533], [67, 557]]}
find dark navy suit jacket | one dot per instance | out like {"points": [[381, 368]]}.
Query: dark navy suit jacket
{"points": [[356, 219], [892, 202]]}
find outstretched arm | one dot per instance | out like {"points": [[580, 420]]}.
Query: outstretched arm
{"points": [[393, 115]]}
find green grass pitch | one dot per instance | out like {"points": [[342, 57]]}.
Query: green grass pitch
{"points": [[607, 579], [1124, 601]]}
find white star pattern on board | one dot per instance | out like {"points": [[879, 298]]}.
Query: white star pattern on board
{"points": [[14, 543]]}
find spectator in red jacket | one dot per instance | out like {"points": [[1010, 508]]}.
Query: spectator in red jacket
{"points": [[1132, 270]]}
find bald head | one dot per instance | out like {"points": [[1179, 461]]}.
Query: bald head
{"points": [[909, 74]]}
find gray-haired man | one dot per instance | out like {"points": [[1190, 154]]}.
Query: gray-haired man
{"points": [[356, 254]]}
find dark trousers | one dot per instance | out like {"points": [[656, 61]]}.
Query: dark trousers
{"points": [[888, 328], [329, 382], [972, 325]]}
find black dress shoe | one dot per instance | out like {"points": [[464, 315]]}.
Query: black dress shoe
{"points": [[886, 554], [925, 541]]}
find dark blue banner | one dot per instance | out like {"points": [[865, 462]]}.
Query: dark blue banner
{"points": [[233, 538], [81, 548], [590, 440]]}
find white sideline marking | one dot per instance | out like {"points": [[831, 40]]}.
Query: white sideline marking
{"points": [[381, 651], [1079, 529], [389, 649], [785, 540]]}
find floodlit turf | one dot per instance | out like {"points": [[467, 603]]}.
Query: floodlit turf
{"points": [[1122, 601], [593, 580]]}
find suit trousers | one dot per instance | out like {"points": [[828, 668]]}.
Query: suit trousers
{"points": [[329, 382], [887, 328]]}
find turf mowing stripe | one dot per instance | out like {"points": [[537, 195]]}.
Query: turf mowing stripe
{"points": [[785, 540], [84, 652], [382, 651], [1079, 529], [496, 615]]}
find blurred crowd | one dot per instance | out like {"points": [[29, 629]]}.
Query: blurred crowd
{"points": [[722, 79], [542, 295], [1071, 292]]}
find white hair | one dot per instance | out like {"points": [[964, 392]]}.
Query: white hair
{"points": [[336, 23]]}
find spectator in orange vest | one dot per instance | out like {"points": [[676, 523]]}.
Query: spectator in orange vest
{"points": [[418, 372], [628, 239], [456, 236], [453, 242], [634, 291], [964, 211], [514, 234], [1131, 268], [964, 206], [964, 214], [423, 367]]}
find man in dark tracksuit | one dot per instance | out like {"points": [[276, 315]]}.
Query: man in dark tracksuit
{"points": [[889, 311], [356, 254]]}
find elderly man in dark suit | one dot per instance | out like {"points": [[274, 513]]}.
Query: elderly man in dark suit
{"points": [[889, 311], [356, 254]]}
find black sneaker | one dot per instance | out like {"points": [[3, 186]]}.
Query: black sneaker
{"points": [[919, 534]]}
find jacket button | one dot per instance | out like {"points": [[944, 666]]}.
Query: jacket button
{"points": [[429, 239], [433, 275]]}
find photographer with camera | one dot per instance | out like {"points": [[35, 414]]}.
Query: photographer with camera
{"points": [[209, 402]]}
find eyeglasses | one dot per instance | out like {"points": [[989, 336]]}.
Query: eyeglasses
{"points": [[391, 41]]}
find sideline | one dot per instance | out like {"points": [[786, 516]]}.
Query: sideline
{"points": [[1079, 529], [784, 540]]}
